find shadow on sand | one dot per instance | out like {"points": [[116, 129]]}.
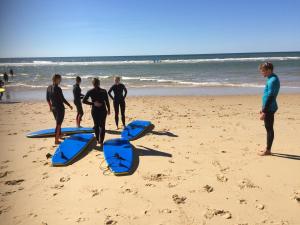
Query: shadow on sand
{"points": [[144, 151], [287, 156]]}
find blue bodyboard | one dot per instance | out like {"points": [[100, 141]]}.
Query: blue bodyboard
{"points": [[70, 148], [118, 154], [135, 129], [65, 130]]}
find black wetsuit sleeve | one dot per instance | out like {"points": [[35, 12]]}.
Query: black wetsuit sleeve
{"points": [[48, 95], [62, 97], [85, 99], [107, 101], [125, 91], [109, 92]]}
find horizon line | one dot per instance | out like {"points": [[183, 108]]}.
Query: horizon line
{"points": [[225, 53]]}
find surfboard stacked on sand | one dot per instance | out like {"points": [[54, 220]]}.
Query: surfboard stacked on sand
{"points": [[118, 153]]}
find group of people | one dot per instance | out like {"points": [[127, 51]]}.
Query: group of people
{"points": [[96, 97]]}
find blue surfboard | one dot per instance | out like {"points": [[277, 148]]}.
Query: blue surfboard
{"points": [[70, 148], [65, 130], [135, 129], [118, 154]]}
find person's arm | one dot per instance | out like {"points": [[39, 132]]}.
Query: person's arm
{"points": [[85, 99], [270, 96], [62, 97], [125, 91], [48, 99], [109, 92], [107, 103]]}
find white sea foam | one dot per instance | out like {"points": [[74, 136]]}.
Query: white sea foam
{"points": [[167, 61]]}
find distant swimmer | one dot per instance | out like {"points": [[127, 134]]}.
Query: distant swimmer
{"points": [[56, 101], [11, 72], [77, 100], [100, 108], [5, 77], [269, 104], [120, 93]]}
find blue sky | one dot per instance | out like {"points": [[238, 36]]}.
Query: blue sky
{"points": [[31, 28]]}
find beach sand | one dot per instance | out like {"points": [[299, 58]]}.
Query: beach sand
{"points": [[198, 166]]}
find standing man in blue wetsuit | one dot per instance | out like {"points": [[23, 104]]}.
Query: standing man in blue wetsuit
{"points": [[269, 104], [120, 93]]}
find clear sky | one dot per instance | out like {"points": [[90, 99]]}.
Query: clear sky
{"points": [[31, 28]]}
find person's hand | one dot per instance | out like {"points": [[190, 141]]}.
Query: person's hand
{"points": [[262, 116], [97, 104], [71, 107]]}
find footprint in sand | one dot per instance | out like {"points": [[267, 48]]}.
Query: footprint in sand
{"points": [[45, 175], [208, 188], [210, 213], [221, 178], [260, 206], [7, 193], [109, 221], [4, 209], [296, 196], [14, 182], [57, 186], [64, 179], [165, 211], [4, 174], [178, 200], [155, 177], [246, 183], [242, 201], [150, 185]]}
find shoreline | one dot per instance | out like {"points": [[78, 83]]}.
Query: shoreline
{"points": [[35, 95]]}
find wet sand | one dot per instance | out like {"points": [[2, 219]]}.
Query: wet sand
{"points": [[198, 166]]}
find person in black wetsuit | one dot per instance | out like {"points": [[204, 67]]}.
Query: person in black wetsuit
{"points": [[100, 108], [11, 72], [5, 77], [120, 93], [77, 100], [56, 101]]}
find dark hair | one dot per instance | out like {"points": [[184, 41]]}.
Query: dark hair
{"points": [[96, 82], [266, 66], [78, 79], [56, 77]]}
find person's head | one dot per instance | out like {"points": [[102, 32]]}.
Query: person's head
{"points": [[96, 82], [266, 69], [78, 80], [56, 79], [117, 79]]}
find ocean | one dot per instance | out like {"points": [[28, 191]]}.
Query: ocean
{"points": [[203, 74]]}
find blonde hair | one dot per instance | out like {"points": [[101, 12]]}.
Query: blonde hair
{"points": [[266, 66]]}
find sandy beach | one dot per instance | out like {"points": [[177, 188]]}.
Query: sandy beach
{"points": [[198, 166]]}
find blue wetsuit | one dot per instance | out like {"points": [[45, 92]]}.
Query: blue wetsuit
{"points": [[269, 106]]}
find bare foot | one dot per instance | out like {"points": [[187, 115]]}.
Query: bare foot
{"points": [[56, 142], [265, 153]]}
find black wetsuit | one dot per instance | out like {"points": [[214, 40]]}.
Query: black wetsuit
{"points": [[57, 99], [77, 98], [99, 114], [5, 77], [119, 101]]}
